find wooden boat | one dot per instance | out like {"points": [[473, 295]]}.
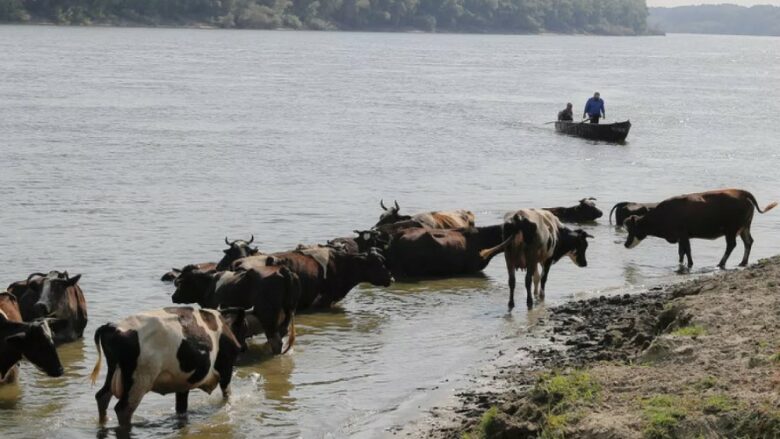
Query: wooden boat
{"points": [[608, 132]]}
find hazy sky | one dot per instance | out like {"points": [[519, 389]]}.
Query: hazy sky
{"points": [[669, 3]]}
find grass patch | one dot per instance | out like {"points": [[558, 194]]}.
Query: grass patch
{"points": [[775, 358], [705, 383], [662, 413], [690, 331], [561, 395], [718, 404], [486, 427]]}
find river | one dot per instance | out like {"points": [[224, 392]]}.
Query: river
{"points": [[128, 151]]}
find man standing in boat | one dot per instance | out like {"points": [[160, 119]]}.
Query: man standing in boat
{"points": [[566, 114], [594, 108]]}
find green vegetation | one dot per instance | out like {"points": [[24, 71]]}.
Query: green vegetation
{"points": [[662, 413], [705, 383], [620, 17], [562, 395], [689, 331], [486, 425], [718, 404], [775, 358], [718, 19]]}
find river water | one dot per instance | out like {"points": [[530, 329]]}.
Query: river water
{"points": [[127, 151]]}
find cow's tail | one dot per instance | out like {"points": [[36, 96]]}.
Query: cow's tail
{"points": [[616, 206], [293, 295], [488, 253], [769, 206], [291, 334], [98, 341]]}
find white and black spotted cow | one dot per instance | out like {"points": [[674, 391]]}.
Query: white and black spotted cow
{"points": [[533, 238], [171, 350]]}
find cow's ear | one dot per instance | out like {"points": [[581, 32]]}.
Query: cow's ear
{"points": [[74, 280], [253, 250]]}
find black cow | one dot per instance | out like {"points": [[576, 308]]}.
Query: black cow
{"points": [[32, 341], [625, 209], [584, 212]]}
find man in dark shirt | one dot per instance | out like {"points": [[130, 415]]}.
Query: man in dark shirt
{"points": [[594, 108], [566, 114]]}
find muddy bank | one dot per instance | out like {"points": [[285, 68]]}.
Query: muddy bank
{"points": [[697, 359]]}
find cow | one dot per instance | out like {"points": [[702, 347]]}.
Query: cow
{"points": [[625, 209], [176, 272], [56, 296], [272, 293], [435, 220], [236, 249], [361, 243], [423, 251], [171, 350], [584, 212], [534, 238], [32, 341], [327, 275], [706, 215]]}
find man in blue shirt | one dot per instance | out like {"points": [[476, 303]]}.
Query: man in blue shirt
{"points": [[594, 108]]}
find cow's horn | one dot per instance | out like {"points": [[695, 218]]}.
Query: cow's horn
{"points": [[252, 239], [382, 204], [226, 241], [35, 274], [396, 205]]}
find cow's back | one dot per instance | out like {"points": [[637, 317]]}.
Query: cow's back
{"points": [[446, 219], [547, 226], [705, 214], [9, 307]]}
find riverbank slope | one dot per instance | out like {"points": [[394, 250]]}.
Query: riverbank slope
{"points": [[697, 359]]}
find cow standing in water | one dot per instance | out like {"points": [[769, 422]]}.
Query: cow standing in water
{"points": [[585, 211], [533, 238], [56, 296], [707, 215], [455, 219], [18, 340], [172, 350]]}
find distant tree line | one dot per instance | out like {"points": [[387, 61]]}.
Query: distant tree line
{"points": [[718, 19], [619, 17]]}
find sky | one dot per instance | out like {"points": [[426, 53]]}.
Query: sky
{"points": [[671, 3]]}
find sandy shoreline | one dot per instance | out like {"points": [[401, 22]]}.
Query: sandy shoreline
{"points": [[695, 359]]}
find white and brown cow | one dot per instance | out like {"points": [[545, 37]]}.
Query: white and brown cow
{"points": [[32, 341], [534, 238], [171, 350], [455, 219]]}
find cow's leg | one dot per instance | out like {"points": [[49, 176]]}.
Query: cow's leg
{"points": [[681, 251], [511, 273], [529, 277], [134, 391], [687, 243], [546, 267], [537, 279], [731, 242], [103, 396], [747, 240], [181, 402]]}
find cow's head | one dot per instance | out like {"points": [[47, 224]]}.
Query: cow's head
{"points": [[391, 215], [58, 296], [587, 209], [193, 285], [235, 318], [635, 231], [35, 343], [375, 270], [236, 250], [579, 244], [366, 239]]}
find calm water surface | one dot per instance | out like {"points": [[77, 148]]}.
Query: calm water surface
{"points": [[127, 151]]}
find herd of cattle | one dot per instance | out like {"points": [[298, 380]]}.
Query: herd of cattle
{"points": [[248, 292]]}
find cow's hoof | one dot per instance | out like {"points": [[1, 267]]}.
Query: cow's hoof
{"points": [[511, 306], [743, 264]]}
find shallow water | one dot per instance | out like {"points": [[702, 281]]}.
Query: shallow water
{"points": [[128, 151]]}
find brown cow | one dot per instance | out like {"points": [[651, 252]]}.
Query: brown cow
{"points": [[423, 251], [271, 292], [584, 212], [533, 238], [435, 220], [707, 215], [324, 283], [56, 296]]}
